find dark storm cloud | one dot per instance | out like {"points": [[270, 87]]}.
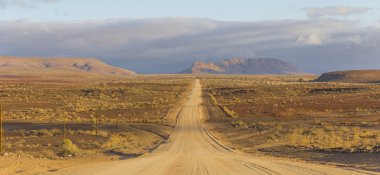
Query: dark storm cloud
{"points": [[168, 45]]}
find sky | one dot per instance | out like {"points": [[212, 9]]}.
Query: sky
{"points": [[167, 36], [222, 10]]}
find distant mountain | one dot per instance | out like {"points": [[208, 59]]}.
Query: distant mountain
{"points": [[351, 76], [68, 65], [243, 66]]}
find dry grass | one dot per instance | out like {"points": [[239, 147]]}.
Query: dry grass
{"points": [[293, 117], [322, 116], [36, 111], [129, 100], [121, 141], [336, 138]]}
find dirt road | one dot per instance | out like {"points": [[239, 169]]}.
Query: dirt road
{"points": [[193, 150]]}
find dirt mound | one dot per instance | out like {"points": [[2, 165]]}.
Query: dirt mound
{"points": [[352, 76]]}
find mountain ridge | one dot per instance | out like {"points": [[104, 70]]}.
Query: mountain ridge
{"points": [[243, 65], [83, 65], [351, 76]]}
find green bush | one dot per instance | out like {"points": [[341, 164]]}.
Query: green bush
{"points": [[68, 148]]}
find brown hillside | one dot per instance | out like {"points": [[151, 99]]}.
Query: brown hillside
{"points": [[352, 76], [24, 67]]}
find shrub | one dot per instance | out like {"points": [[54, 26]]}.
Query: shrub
{"points": [[68, 148], [48, 153], [238, 123], [103, 133], [230, 112], [335, 139], [44, 132], [115, 141], [56, 132], [260, 126], [84, 132]]}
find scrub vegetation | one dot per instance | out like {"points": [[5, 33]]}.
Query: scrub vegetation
{"points": [[293, 116], [52, 119]]}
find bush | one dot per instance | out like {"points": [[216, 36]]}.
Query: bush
{"points": [[68, 148], [84, 132], [56, 132], [260, 126], [238, 123], [44, 132], [330, 138], [116, 141], [230, 112], [103, 133]]}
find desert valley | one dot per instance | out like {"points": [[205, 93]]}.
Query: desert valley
{"points": [[216, 87], [68, 115]]}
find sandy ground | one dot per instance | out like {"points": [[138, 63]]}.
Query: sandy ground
{"points": [[34, 166], [191, 149]]}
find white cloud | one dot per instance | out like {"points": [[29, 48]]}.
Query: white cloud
{"points": [[168, 45], [26, 3], [357, 38], [316, 12], [312, 39]]}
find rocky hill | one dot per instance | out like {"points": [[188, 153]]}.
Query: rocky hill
{"points": [[352, 76], [243, 66], [63, 65]]}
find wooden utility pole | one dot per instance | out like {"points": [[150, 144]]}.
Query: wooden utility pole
{"points": [[1, 128]]}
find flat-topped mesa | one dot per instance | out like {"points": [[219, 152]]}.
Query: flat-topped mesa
{"points": [[243, 65], [85, 65], [351, 76]]}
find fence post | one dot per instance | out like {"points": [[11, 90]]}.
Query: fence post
{"points": [[117, 120], [1, 128], [64, 129], [96, 124]]}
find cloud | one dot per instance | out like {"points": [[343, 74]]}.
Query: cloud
{"points": [[169, 45], [335, 11], [312, 39], [26, 3]]}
